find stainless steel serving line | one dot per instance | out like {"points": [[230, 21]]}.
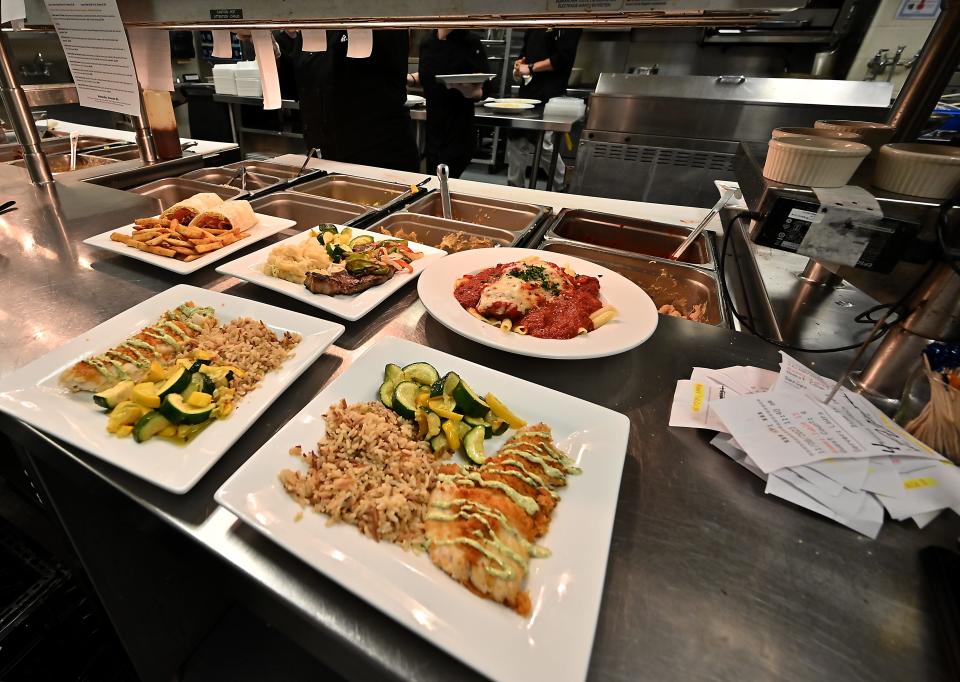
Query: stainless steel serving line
{"points": [[707, 577], [524, 119]]}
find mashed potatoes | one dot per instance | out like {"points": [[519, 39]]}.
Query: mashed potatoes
{"points": [[292, 262]]}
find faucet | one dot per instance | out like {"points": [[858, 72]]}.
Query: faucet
{"points": [[896, 60], [877, 64]]}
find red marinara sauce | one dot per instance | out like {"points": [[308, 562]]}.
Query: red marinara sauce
{"points": [[562, 317], [470, 287]]}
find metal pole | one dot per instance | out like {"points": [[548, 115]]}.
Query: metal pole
{"points": [[929, 76], [18, 110], [537, 155], [145, 143]]}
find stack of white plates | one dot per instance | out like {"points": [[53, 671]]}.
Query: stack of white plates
{"points": [[565, 106], [225, 79], [248, 79]]}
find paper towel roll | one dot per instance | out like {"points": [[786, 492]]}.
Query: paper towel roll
{"points": [[267, 61], [359, 43], [314, 40], [151, 58], [222, 44]]}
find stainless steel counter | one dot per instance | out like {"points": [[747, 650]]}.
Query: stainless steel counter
{"points": [[708, 579]]}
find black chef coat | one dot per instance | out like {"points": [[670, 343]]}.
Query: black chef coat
{"points": [[451, 135], [354, 110], [559, 45]]}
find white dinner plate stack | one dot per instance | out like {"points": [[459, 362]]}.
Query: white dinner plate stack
{"points": [[225, 79], [565, 106], [248, 80]]}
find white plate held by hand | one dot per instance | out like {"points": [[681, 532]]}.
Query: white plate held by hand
{"points": [[635, 322], [555, 640], [352, 307], [266, 226], [33, 394]]}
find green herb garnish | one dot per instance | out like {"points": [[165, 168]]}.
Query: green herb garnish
{"points": [[538, 274]]}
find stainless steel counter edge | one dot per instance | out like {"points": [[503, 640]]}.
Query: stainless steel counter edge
{"points": [[707, 577]]}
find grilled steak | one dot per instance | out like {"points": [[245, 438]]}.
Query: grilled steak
{"points": [[343, 282]]}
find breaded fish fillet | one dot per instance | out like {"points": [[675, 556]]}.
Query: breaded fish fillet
{"points": [[482, 521], [160, 342]]}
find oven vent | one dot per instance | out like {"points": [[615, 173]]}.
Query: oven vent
{"points": [[661, 156]]}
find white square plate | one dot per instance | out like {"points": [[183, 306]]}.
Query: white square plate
{"points": [[555, 641], [266, 225], [250, 268], [32, 393]]}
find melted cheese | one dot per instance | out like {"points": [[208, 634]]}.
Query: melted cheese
{"points": [[509, 296]]}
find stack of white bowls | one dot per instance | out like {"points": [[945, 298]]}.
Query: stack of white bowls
{"points": [[225, 79], [873, 134], [813, 161], [565, 106], [248, 79]]}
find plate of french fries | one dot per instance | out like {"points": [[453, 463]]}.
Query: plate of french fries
{"points": [[183, 248]]}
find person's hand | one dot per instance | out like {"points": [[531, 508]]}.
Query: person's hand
{"points": [[524, 70], [244, 35]]}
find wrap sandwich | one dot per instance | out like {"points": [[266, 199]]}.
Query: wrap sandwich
{"points": [[188, 209], [230, 215]]}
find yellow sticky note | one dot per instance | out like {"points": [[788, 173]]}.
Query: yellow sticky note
{"points": [[925, 482], [699, 393]]}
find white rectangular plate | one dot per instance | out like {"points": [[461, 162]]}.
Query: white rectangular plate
{"points": [[555, 641], [32, 393], [266, 226], [250, 268]]}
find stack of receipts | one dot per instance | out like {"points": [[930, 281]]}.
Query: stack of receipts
{"points": [[845, 460]]}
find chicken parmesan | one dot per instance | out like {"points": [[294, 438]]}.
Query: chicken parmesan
{"points": [[534, 297]]}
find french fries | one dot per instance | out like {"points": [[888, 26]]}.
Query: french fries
{"points": [[169, 238]]}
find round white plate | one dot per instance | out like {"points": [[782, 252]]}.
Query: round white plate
{"points": [[465, 78], [635, 323], [414, 100], [518, 100], [508, 106]]}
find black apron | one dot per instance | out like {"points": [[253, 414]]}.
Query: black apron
{"points": [[354, 110], [451, 136]]}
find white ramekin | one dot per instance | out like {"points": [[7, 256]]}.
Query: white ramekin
{"points": [[920, 170], [874, 135], [813, 161], [817, 132]]}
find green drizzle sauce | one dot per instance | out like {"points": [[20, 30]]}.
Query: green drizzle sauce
{"points": [[471, 478]]}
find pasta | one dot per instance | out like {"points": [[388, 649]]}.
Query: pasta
{"points": [[536, 298]]}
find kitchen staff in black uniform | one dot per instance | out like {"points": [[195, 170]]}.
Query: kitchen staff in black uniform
{"points": [[354, 109], [544, 67], [450, 132]]}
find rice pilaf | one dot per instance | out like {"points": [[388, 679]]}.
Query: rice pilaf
{"points": [[249, 345], [369, 470]]}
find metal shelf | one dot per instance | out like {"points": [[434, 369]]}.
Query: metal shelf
{"points": [[193, 15]]}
